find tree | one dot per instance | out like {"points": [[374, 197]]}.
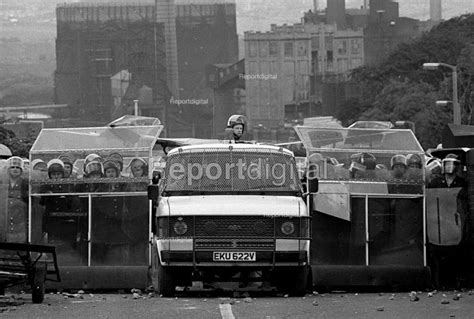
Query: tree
{"points": [[466, 82], [399, 88], [18, 147], [408, 101]]}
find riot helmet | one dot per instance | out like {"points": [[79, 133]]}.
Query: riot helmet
{"points": [[450, 164], [94, 169], [398, 159], [55, 168], [398, 165], [111, 168], [237, 123], [365, 161], [235, 120], [414, 161], [39, 165], [15, 162], [433, 165]]}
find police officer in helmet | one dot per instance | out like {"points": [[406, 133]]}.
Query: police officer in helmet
{"points": [[236, 127], [447, 262], [449, 168]]}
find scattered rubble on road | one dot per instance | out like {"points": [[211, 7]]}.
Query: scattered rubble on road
{"points": [[10, 303], [136, 291], [414, 296], [68, 295]]}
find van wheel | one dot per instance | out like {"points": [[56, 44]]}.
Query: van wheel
{"points": [[37, 285], [162, 279]]}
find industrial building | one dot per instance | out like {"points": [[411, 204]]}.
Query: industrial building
{"points": [[111, 53], [106, 54], [277, 70], [386, 30], [206, 32], [299, 60], [383, 27]]}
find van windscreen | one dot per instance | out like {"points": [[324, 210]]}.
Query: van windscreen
{"points": [[214, 171]]}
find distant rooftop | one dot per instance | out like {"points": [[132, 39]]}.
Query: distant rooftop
{"points": [[204, 1], [357, 12], [90, 3]]}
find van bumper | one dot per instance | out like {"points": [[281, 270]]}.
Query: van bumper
{"points": [[285, 252], [263, 259]]}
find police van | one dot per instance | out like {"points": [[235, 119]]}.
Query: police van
{"points": [[230, 213]]}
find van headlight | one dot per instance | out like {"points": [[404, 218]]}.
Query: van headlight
{"points": [[180, 228], [288, 228]]}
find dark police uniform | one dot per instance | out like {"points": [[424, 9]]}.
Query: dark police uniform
{"points": [[447, 262]]}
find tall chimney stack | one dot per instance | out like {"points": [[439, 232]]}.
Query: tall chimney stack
{"points": [[315, 5], [336, 13], [166, 14], [435, 10]]}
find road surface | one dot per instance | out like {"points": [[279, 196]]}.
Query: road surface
{"points": [[447, 304]]}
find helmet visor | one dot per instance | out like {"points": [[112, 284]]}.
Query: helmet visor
{"points": [[449, 167]]}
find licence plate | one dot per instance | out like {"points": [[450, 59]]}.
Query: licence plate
{"points": [[233, 256]]}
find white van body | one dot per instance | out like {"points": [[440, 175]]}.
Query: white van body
{"points": [[226, 210]]}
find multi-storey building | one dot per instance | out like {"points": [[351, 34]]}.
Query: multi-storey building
{"points": [[98, 42], [110, 53], [277, 73], [206, 33], [287, 68]]}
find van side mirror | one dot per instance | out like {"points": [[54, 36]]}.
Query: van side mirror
{"points": [[313, 185], [153, 192], [155, 179]]}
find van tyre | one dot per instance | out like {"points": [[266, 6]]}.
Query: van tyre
{"points": [[37, 285], [162, 277]]}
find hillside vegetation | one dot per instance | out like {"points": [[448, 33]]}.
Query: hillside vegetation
{"points": [[399, 88]]}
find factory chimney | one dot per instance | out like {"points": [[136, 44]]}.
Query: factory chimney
{"points": [[336, 13], [165, 13], [435, 10]]}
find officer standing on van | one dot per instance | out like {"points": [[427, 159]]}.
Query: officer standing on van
{"points": [[235, 128], [446, 261]]}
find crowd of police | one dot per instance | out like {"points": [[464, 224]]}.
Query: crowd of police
{"points": [[445, 262], [365, 166], [119, 224], [449, 263]]}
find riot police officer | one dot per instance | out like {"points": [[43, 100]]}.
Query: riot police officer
{"points": [[398, 164], [17, 199], [236, 128], [446, 260]]}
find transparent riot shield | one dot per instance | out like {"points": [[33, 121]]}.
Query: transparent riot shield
{"points": [[337, 241], [369, 209], [395, 231], [443, 220], [96, 215], [3, 206]]}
